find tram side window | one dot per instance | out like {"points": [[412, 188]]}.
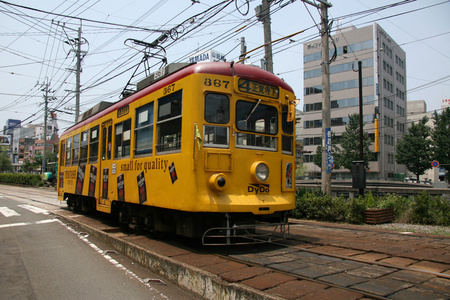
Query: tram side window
{"points": [[123, 135], [75, 149], [217, 110], [106, 142], [144, 129], [93, 145], [288, 131], [62, 155], [84, 147], [169, 122], [69, 151]]}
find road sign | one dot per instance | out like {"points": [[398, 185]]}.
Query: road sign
{"points": [[435, 164], [332, 165]]}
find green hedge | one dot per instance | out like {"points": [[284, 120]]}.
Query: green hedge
{"points": [[421, 209], [22, 179]]}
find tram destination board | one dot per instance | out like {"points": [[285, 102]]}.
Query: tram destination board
{"points": [[258, 88]]}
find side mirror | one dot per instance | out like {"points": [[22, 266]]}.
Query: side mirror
{"points": [[291, 110]]}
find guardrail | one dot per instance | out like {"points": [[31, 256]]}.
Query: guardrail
{"points": [[376, 187]]}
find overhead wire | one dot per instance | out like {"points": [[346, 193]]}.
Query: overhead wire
{"points": [[217, 41]]}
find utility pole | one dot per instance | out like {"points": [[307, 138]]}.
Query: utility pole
{"points": [[78, 71], [326, 105], [243, 49], [44, 162], [263, 14], [361, 135], [79, 54]]}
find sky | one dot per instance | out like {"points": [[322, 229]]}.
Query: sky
{"points": [[37, 49]]}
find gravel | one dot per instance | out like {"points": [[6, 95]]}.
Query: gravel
{"points": [[414, 228]]}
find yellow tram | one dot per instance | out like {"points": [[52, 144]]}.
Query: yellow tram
{"points": [[199, 149]]}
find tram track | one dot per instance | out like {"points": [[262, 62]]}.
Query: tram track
{"points": [[388, 272], [364, 294], [372, 262]]}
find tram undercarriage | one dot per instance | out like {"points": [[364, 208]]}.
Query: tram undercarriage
{"points": [[211, 228]]}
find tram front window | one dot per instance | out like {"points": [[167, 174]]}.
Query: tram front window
{"points": [[255, 118], [217, 111]]}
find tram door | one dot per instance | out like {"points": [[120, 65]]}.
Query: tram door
{"points": [[105, 163]]}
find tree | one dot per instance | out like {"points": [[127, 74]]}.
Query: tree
{"points": [[5, 163], [350, 145], [414, 150], [441, 138], [29, 166], [51, 156]]}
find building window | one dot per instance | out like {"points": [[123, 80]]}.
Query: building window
{"points": [[340, 50], [341, 103], [334, 69]]}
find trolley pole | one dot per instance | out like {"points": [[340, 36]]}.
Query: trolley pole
{"points": [[326, 105]]}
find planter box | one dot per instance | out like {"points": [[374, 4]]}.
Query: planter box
{"points": [[378, 216]]}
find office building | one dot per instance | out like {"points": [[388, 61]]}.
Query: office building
{"points": [[384, 96]]}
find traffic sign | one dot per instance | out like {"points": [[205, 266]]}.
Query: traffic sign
{"points": [[435, 164], [332, 165]]}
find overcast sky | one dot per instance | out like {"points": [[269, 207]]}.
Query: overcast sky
{"points": [[34, 52]]}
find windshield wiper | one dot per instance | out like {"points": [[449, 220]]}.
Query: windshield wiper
{"points": [[253, 110]]}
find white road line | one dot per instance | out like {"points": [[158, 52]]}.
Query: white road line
{"points": [[34, 209], [83, 236], [7, 212], [28, 223]]}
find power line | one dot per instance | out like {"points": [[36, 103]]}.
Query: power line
{"points": [[79, 18]]}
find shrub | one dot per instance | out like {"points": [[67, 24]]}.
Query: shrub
{"points": [[421, 209], [427, 210], [355, 211], [441, 211], [21, 178]]}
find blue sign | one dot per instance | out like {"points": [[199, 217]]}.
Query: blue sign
{"points": [[435, 164], [329, 157]]}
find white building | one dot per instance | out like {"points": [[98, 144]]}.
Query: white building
{"points": [[384, 95]]}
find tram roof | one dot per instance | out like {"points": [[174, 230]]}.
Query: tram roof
{"points": [[217, 68]]}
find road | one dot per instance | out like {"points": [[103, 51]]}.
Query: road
{"points": [[43, 258]]}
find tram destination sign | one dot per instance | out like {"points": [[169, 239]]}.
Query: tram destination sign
{"points": [[258, 88]]}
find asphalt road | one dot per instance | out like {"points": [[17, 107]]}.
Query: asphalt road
{"points": [[43, 258]]}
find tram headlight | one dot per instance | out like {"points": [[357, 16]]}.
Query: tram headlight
{"points": [[260, 171], [217, 182]]}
